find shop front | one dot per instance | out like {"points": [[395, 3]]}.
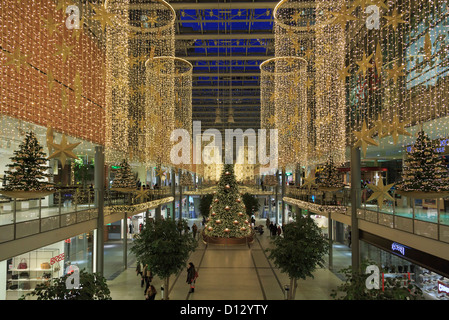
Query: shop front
{"points": [[22, 273], [428, 272]]}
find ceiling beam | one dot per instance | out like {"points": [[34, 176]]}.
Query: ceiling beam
{"points": [[215, 36], [227, 58], [227, 74], [212, 5], [235, 87]]}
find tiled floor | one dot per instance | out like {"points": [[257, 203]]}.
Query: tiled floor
{"points": [[231, 273]]}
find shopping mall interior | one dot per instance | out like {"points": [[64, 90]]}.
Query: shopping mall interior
{"points": [[117, 114]]}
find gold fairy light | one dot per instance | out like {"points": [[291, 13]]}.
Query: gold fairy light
{"points": [[141, 30], [160, 107], [48, 77], [309, 30], [284, 106], [401, 48], [183, 99]]}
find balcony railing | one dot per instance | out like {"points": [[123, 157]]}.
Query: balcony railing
{"points": [[68, 206], [428, 217]]}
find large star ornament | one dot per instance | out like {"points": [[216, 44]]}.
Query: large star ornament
{"points": [[380, 192], [364, 138], [63, 150]]}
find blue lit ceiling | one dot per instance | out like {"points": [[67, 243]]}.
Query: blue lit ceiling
{"points": [[226, 42]]}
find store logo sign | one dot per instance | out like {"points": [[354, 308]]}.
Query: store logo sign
{"points": [[443, 288], [398, 247]]}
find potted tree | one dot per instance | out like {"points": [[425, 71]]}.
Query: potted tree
{"points": [[92, 286], [164, 248], [299, 251]]}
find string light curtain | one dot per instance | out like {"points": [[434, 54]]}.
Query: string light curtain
{"points": [[160, 107], [50, 75], [183, 99], [304, 29], [398, 67], [267, 94], [117, 79], [142, 30]]}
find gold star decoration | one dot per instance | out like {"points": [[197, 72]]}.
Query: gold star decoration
{"points": [[103, 16], [394, 20], [64, 100], [308, 53], [343, 16], [380, 192], [296, 45], [378, 60], [160, 173], [63, 50], [272, 120], [63, 150], [78, 89], [381, 127], [296, 16], [364, 64], [308, 182], [396, 72], [142, 194], [309, 83], [397, 128], [16, 59], [51, 25], [152, 20], [63, 4], [343, 74], [364, 138], [50, 80]]}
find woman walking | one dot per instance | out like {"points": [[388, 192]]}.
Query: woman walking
{"points": [[191, 276]]}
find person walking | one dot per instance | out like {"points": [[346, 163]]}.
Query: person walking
{"points": [[191, 276], [151, 292], [194, 230], [139, 271]]}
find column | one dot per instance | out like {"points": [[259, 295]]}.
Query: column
{"points": [[173, 190], [125, 240], [180, 194], [99, 204], [355, 204], [283, 195]]}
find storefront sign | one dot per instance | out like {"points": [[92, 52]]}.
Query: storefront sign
{"points": [[443, 288], [57, 259], [398, 247]]}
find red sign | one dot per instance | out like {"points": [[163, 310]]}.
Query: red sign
{"points": [[56, 259]]}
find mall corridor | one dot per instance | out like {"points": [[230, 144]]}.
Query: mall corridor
{"points": [[237, 272]]}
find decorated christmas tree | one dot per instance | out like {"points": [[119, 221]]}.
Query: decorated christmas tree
{"points": [[28, 169], [330, 177], [424, 169], [124, 179], [227, 217]]}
